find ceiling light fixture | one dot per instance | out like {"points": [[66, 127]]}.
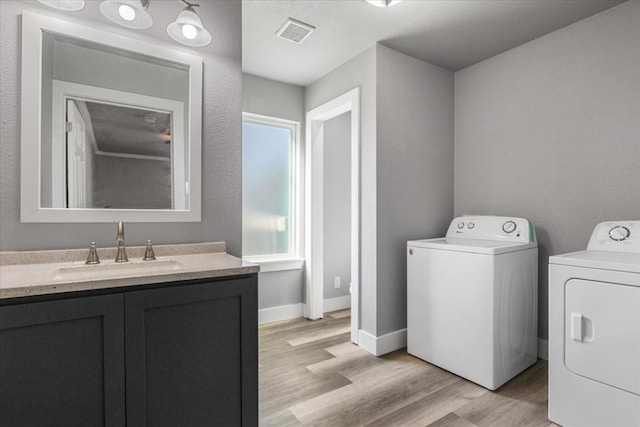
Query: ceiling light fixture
{"points": [[383, 3], [68, 5], [128, 13], [188, 29]]}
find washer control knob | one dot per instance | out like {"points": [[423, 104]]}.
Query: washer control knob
{"points": [[461, 225], [619, 233], [470, 226], [509, 227]]}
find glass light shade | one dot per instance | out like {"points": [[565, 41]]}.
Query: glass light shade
{"points": [[68, 5], [126, 12], [188, 29], [120, 12], [383, 3]]}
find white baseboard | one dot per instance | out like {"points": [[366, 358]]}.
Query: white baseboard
{"points": [[383, 344], [337, 303], [277, 314], [543, 348], [293, 311]]}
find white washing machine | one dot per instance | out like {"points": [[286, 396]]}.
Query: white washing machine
{"points": [[472, 299], [594, 330]]}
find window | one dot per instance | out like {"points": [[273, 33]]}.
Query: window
{"points": [[269, 175]]}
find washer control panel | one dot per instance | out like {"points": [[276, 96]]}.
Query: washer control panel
{"points": [[508, 229], [616, 236]]}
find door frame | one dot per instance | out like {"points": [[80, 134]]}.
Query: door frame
{"points": [[314, 221]]}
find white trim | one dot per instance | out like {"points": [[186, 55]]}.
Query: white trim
{"points": [[295, 311], [132, 156], [33, 25], [543, 348], [269, 120], [337, 303], [314, 244], [271, 265], [383, 344], [278, 314]]}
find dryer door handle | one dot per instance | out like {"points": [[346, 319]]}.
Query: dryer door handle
{"points": [[576, 327]]}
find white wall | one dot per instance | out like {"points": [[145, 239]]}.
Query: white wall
{"points": [[276, 99], [550, 131], [221, 142], [414, 170], [337, 205]]}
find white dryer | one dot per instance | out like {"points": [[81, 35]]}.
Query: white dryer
{"points": [[472, 298], [594, 330]]}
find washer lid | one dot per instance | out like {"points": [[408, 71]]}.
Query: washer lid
{"points": [[603, 260], [486, 247]]}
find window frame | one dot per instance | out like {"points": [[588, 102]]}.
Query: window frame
{"points": [[291, 260]]}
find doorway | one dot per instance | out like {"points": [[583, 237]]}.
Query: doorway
{"points": [[314, 204]]}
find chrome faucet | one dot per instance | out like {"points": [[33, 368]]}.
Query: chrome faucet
{"points": [[122, 253]]}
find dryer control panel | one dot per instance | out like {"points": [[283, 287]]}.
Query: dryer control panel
{"points": [[616, 236], [500, 228]]}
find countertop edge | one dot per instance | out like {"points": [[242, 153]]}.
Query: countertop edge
{"points": [[119, 282], [73, 255], [31, 279]]}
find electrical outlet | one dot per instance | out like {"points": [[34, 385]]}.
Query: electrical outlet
{"points": [[336, 282]]}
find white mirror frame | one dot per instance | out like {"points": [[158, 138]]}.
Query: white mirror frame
{"points": [[31, 128]]}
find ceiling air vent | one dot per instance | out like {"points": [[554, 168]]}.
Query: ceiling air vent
{"points": [[295, 31]]}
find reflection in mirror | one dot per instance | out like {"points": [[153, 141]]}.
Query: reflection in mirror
{"points": [[108, 147], [114, 150], [104, 146], [119, 129]]}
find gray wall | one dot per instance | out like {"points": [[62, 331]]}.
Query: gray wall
{"points": [[550, 131], [360, 72], [221, 144], [148, 183], [406, 168], [415, 170], [277, 288], [46, 168], [337, 205], [106, 69], [275, 99]]}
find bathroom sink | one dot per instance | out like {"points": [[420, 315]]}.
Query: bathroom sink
{"points": [[111, 269]]}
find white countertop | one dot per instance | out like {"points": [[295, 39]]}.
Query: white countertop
{"points": [[48, 272]]}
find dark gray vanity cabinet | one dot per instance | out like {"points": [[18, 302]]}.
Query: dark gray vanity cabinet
{"points": [[192, 355], [62, 362], [182, 354]]}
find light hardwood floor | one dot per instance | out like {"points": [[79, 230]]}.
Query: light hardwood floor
{"points": [[311, 375]]}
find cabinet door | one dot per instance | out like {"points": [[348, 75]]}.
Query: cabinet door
{"points": [[62, 363], [192, 354]]}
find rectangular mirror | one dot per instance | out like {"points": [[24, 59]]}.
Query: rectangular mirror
{"points": [[107, 133]]}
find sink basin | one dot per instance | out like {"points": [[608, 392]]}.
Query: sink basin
{"points": [[112, 269]]}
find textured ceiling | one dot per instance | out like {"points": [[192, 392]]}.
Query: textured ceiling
{"points": [[452, 33]]}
